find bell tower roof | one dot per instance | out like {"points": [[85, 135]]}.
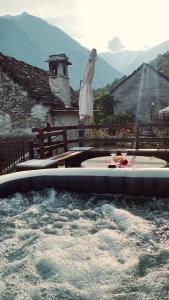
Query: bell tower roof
{"points": [[58, 58]]}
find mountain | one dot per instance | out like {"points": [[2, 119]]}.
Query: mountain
{"points": [[148, 56], [128, 61], [120, 60], [32, 40]]}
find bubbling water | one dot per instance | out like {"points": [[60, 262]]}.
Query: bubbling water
{"points": [[62, 245]]}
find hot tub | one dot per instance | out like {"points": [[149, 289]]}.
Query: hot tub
{"points": [[71, 234], [147, 182]]}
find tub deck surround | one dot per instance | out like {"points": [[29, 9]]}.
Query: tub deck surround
{"points": [[63, 159], [36, 164], [138, 182], [52, 162]]}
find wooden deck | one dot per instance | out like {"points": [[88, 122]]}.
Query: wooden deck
{"points": [[75, 158], [55, 143]]}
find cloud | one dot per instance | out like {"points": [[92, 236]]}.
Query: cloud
{"points": [[115, 45], [146, 47], [81, 20], [38, 7]]}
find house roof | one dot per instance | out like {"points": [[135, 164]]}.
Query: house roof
{"points": [[132, 74], [34, 81], [165, 110]]}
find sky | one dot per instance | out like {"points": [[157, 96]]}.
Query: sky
{"points": [[102, 24]]}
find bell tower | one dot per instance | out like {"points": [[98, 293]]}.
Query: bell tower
{"points": [[58, 77]]}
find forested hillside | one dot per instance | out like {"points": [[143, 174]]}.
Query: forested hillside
{"points": [[161, 63]]}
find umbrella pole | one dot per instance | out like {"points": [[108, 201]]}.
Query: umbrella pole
{"points": [[81, 132]]}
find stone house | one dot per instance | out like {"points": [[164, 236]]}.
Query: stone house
{"points": [[30, 96], [143, 93]]}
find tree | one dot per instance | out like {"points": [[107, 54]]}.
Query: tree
{"points": [[104, 104], [161, 63]]}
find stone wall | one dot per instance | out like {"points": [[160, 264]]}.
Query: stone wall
{"points": [[142, 91], [16, 103]]}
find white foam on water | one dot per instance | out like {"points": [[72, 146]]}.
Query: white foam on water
{"points": [[125, 220], [68, 246]]}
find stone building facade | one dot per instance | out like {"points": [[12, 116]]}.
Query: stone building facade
{"points": [[26, 97], [143, 93]]}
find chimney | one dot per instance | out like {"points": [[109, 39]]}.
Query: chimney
{"points": [[58, 77]]}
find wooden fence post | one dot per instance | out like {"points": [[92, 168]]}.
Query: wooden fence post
{"points": [[41, 143], [49, 140], [137, 136], [23, 150], [65, 139], [31, 149], [81, 133]]}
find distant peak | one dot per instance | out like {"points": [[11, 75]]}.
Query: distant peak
{"points": [[24, 13]]}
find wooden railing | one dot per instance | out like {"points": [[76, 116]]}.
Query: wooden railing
{"points": [[149, 135], [49, 139], [153, 134]]}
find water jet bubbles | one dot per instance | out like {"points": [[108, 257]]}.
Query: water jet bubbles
{"points": [[46, 267], [76, 214], [73, 246]]}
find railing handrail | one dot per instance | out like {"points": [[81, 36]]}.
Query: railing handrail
{"points": [[45, 135], [104, 126]]}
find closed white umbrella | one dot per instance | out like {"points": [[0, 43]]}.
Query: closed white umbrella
{"points": [[86, 94]]}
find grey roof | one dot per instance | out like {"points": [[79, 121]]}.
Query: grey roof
{"points": [[133, 73], [34, 81]]}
